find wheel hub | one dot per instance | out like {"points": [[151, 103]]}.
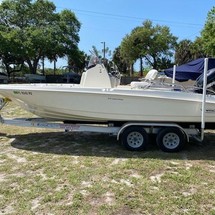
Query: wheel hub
{"points": [[135, 139], [171, 140]]}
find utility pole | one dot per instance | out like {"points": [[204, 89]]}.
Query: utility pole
{"points": [[103, 50]]}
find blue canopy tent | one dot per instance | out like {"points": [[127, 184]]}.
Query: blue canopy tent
{"points": [[191, 70]]}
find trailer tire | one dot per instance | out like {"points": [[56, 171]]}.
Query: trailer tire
{"points": [[134, 138], [171, 139]]}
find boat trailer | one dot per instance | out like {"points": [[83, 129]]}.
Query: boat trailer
{"points": [[134, 136]]}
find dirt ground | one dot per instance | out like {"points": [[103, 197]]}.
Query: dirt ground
{"points": [[50, 172]]}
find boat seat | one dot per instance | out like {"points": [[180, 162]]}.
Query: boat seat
{"points": [[145, 82], [140, 84], [151, 75]]}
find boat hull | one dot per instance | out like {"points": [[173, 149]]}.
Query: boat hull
{"points": [[74, 103]]}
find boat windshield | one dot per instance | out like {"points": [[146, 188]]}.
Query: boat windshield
{"points": [[108, 64], [93, 61]]}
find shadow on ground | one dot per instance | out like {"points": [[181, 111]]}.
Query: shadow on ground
{"points": [[102, 145]]}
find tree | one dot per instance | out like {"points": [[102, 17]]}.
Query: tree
{"points": [[183, 52], [96, 51], [186, 51], [12, 63], [32, 30], [208, 33], [153, 43], [128, 52], [76, 60], [118, 60], [101, 53], [197, 49]]}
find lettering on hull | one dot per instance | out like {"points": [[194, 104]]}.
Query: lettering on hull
{"points": [[210, 110], [23, 93], [115, 99]]}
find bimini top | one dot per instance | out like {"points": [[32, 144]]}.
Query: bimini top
{"points": [[191, 70]]}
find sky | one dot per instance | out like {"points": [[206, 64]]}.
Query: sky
{"points": [[110, 20]]}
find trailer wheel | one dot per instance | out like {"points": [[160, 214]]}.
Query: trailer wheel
{"points": [[134, 138], [171, 139]]}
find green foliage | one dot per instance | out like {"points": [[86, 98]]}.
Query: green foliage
{"points": [[153, 43], [119, 61], [198, 49], [96, 51], [186, 51], [208, 33], [101, 53], [127, 50], [31, 30], [76, 59], [183, 52]]}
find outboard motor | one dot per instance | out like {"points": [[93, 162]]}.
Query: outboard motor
{"points": [[210, 81]]}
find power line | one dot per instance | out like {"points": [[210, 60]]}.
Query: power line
{"points": [[130, 17]]}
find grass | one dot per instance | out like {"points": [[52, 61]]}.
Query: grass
{"points": [[49, 172]]}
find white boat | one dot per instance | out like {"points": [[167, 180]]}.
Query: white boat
{"points": [[100, 98]]}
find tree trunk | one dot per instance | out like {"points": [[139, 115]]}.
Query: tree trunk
{"points": [[43, 65], [7, 67], [33, 65], [141, 67], [132, 69], [54, 66], [155, 64]]}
